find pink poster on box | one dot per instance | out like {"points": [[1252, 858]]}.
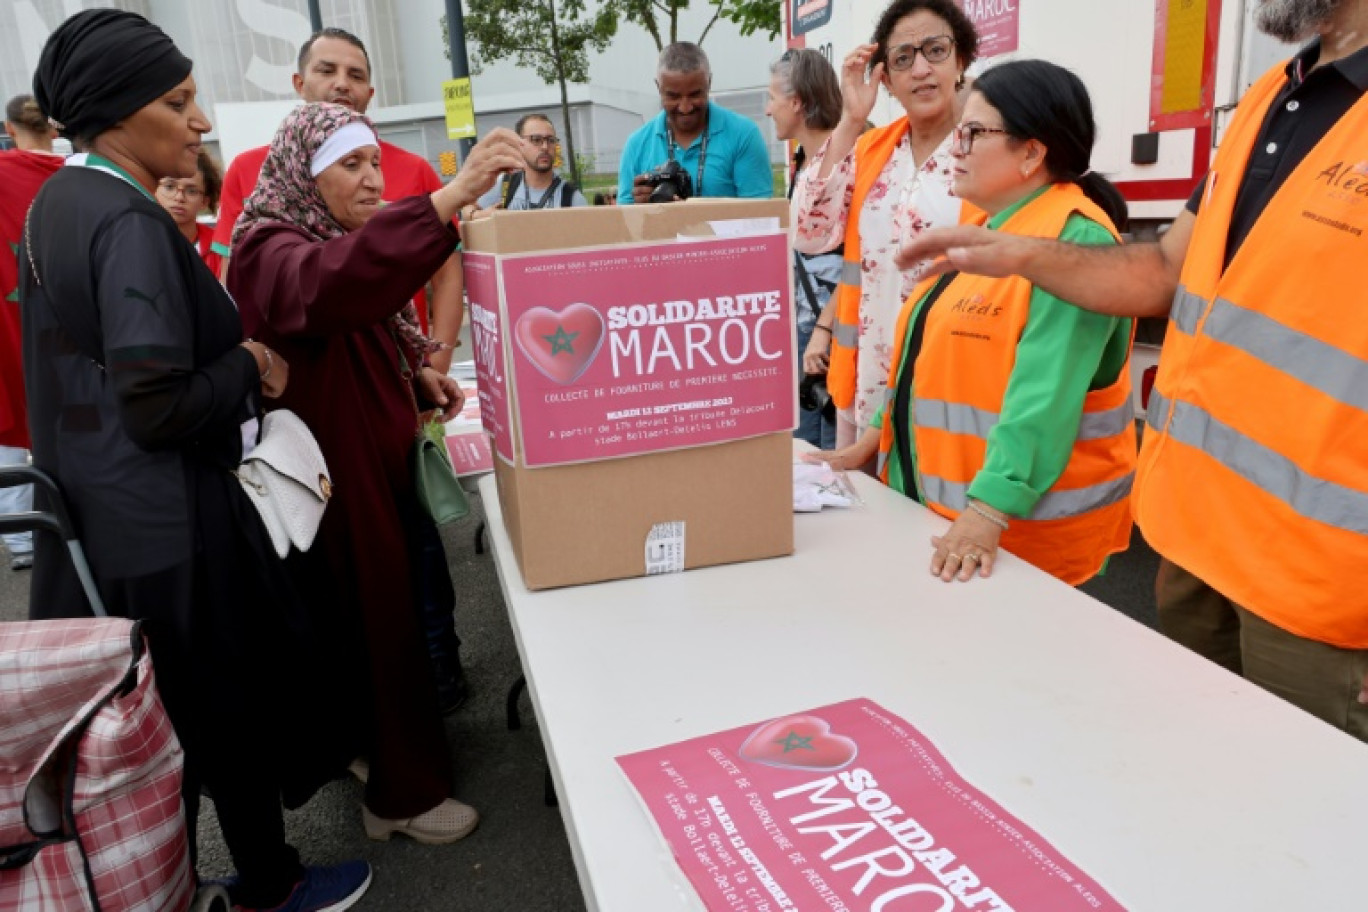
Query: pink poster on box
{"points": [[482, 291], [649, 347], [846, 807]]}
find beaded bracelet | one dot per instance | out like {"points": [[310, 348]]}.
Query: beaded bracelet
{"points": [[995, 520]]}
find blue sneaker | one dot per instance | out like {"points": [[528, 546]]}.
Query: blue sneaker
{"points": [[330, 889]]}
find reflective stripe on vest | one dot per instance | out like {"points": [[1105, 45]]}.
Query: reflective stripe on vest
{"points": [[976, 422], [845, 333], [1315, 498], [1333, 371], [1254, 474], [1054, 504], [851, 273]]}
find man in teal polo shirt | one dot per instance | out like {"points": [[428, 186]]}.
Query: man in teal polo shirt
{"points": [[722, 152]]}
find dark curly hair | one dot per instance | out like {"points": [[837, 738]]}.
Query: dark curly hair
{"points": [[213, 180], [961, 28]]}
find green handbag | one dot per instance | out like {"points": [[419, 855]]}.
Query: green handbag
{"points": [[434, 480], [439, 490]]}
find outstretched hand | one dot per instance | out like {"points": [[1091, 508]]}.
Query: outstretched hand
{"points": [[966, 248]]}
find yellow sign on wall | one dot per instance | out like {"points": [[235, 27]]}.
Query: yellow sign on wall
{"points": [[1184, 56], [460, 108]]}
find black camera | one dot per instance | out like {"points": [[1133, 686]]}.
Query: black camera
{"points": [[813, 395], [670, 181]]}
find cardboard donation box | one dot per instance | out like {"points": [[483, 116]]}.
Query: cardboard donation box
{"points": [[637, 375]]}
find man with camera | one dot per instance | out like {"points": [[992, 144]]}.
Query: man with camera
{"points": [[693, 147], [538, 186]]}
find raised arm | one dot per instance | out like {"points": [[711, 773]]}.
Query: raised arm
{"points": [[298, 285], [301, 286], [859, 91], [1133, 280]]}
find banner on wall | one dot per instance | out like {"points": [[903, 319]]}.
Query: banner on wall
{"points": [[998, 23], [845, 807]]}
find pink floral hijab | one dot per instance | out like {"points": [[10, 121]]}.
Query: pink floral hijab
{"points": [[287, 194]]}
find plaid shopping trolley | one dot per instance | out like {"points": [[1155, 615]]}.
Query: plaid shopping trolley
{"points": [[90, 769]]}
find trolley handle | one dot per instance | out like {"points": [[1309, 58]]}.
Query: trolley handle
{"points": [[56, 520]]}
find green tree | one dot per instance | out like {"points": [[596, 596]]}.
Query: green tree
{"points": [[660, 18], [552, 37]]}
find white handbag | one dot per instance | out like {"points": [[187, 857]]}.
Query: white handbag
{"points": [[287, 480]]}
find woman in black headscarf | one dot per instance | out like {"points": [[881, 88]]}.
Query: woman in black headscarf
{"points": [[142, 398]]}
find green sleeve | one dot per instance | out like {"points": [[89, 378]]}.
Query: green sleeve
{"points": [[1063, 352]]}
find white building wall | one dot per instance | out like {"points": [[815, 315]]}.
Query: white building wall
{"points": [[245, 50]]}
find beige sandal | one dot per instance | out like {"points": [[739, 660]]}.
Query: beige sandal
{"points": [[447, 822]]}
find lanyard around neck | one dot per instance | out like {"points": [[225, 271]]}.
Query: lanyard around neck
{"points": [[702, 156], [545, 197], [100, 163]]}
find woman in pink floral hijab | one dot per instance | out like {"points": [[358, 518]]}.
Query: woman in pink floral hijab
{"points": [[327, 275], [287, 193]]}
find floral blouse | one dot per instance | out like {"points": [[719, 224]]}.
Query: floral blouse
{"points": [[904, 201]]}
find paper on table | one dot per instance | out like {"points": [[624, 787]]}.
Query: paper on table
{"points": [[819, 485]]}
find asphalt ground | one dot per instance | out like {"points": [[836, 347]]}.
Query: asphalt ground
{"points": [[519, 859]]}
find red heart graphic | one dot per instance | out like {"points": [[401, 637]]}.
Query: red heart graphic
{"points": [[799, 742], [561, 344]]}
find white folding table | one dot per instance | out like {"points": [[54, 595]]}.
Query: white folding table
{"points": [[1175, 784]]}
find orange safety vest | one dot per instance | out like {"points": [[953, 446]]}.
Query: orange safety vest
{"points": [[962, 372], [872, 152], [1254, 470]]}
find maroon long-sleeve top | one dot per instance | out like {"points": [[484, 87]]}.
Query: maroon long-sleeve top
{"points": [[324, 307]]}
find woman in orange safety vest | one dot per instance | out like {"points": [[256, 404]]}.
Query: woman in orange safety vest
{"points": [[871, 191], [1008, 409]]}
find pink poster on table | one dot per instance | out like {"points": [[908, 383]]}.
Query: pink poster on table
{"points": [[998, 23], [846, 807], [482, 291], [642, 348], [470, 454]]}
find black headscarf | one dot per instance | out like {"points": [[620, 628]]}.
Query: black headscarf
{"points": [[101, 66]]}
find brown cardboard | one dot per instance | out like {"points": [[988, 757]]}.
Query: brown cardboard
{"points": [[588, 522]]}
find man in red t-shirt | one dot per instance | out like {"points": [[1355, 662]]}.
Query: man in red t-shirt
{"points": [[334, 67], [22, 172]]}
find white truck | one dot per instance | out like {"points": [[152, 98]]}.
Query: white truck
{"points": [[1163, 74]]}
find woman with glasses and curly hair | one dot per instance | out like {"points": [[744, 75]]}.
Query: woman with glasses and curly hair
{"points": [[873, 190]]}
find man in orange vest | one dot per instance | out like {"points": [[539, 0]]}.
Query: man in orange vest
{"points": [[1253, 477]]}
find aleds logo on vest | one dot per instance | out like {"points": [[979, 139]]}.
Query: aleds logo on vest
{"points": [[1347, 187], [975, 306]]}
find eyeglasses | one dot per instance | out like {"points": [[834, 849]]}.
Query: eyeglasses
{"points": [[543, 142], [169, 189], [935, 50], [963, 136]]}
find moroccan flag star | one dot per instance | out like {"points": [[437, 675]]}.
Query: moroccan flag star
{"points": [[561, 340]]}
